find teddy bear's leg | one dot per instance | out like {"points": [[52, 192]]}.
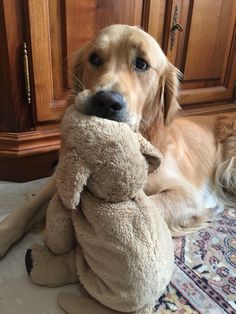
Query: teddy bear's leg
{"points": [[47, 269], [72, 304], [59, 235]]}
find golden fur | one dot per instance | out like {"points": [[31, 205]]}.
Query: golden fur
{"points": [[198, 170]]}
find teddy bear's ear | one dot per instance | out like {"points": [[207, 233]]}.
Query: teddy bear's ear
{"points": [[71, 177], [152, 155]]}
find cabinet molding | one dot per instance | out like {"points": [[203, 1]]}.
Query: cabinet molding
{"points": [[28, 155], [29, 143]]}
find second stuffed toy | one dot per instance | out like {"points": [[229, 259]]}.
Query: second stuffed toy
{"points": [[121, 250]]}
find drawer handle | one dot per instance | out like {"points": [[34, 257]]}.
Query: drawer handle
{"points": [[175, 27]]}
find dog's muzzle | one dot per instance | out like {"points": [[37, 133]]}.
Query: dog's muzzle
{"points": [[109, 105]]}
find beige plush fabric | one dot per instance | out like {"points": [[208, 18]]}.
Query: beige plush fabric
{"points": [[124, 256]]}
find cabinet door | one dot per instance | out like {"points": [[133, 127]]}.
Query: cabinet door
{"points": [[205, 50], [55, 30]]}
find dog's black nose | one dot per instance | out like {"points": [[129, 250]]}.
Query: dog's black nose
{"points": [[109, 105]]}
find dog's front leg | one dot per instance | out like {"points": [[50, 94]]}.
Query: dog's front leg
{"points": [[179, 204], [14, 226]]}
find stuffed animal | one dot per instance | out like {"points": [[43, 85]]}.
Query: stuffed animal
{"points": [[101, 228]]}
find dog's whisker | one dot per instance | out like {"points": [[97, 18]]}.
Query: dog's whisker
{"points": [[142, 128], [147, 125], [71, 94], [145, 119], [70, 56], [78, 87], [91, 34], [92, 44], [74, 91], [77, 80], [145, 115]]}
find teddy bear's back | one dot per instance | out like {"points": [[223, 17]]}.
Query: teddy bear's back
{"points": [[125, 248]]}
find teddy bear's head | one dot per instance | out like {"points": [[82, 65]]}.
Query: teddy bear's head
{"points": [[105, 156]]}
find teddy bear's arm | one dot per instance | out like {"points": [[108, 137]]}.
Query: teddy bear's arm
{"points": [[59, 234], [71, 177], [152, 155]]}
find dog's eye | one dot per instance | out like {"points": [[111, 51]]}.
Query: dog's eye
{"points": [[95, 60], [140, 64]]}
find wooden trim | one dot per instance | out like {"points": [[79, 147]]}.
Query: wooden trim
{"points": [[138, 9], [153, 18], [29, 143], [167, 25], [201, 95], [208, 109], [145, 14], [230, 75], [186, 37]]}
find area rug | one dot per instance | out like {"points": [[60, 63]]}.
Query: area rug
{"points": [[204, 278]]}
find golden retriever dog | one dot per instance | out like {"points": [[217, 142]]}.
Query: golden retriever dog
{"points": [[133, 82]]}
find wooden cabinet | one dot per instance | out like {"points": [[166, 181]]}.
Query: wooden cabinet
{"points": [[199, 37], [47, 32]]}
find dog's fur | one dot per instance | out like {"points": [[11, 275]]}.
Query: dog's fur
{"points": [[198, 171]]}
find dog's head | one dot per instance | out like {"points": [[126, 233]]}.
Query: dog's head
{"points": [[131, 79]]}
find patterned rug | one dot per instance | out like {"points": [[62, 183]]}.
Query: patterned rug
{"points": [[204, 278]]}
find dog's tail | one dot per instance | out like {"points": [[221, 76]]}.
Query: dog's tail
{"points": [[225, 175], [72, 304]]}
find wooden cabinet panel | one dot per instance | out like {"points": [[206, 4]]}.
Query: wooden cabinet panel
{"points": [[56, 30], [209, 40], [45, 66], [208, 49], [205, 50], [15, 113]]}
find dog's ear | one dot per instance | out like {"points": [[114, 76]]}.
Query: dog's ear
{"points": [[169, 93]]}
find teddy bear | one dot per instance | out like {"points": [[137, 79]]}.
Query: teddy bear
{"points": [[102, 230]]}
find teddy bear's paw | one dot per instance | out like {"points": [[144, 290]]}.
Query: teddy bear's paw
{"points": [[28, 261], [46, 269], [38, 262]]}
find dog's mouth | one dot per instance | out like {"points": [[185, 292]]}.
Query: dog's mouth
{"points": [[107, 105]]}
